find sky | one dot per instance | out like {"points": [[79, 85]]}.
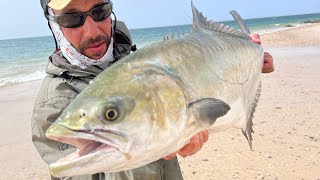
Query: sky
{"points": [[24, 18]]}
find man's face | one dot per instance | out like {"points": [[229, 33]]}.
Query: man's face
{"points": [[92, 39]]}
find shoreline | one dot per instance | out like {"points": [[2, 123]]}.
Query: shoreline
{"points": [[283, 28], [304, 36], [286, 139]]}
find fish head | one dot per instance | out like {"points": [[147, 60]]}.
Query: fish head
{"points": [[120, 122]]}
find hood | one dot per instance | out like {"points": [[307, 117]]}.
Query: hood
{"points": [[59, 66]]}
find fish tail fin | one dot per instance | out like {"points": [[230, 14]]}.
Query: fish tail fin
{"points": [[248, 130], [200, 21]]}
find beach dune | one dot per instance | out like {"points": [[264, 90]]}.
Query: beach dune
{"points": [[286, 139]]}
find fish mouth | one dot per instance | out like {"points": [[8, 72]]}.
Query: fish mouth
{"points": [[89, 143]]}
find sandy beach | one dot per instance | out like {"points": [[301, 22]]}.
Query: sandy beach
{"points": [[286, 142]]}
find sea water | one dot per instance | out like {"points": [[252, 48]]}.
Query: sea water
{"points": [[24, 60]]}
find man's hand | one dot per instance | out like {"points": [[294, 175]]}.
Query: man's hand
{"points": [[268, 60], [268, 63], [196, 143]]}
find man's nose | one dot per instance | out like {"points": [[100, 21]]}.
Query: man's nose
{"points": [[91, 29]]}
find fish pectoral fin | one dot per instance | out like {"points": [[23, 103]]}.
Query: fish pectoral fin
{"points": [[207, 110]]}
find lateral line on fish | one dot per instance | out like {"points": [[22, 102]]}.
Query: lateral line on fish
{"points": [[200, 21]]}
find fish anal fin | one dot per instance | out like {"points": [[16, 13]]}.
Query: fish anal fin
{"points": [[248, 130], [207, 110]]}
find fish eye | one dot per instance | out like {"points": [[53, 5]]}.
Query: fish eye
{"points": [[108, 113], [111, 114]]}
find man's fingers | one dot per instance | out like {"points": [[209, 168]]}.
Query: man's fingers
{"points": [[171, 156], [205, 136], [256, 38], [268, 55], [190, 148], [201, 140], [268, 63], [196, 143], [268, 60]]}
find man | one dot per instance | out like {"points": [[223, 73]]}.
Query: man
{"points": [[87, 42]]}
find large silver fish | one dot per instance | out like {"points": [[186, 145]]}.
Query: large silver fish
{"points": [[150, 103]]}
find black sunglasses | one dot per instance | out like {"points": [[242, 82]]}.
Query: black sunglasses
{"points": [[77, 19]]}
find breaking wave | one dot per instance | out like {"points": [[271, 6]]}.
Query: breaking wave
{"points": [[22, 78]]}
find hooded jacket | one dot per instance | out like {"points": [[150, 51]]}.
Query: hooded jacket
{"points": [[61, 85]]}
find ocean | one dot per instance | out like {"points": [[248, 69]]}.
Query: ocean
{"points": [[24, 60]]}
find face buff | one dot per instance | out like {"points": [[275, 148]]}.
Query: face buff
{"points": [[73, 56]]}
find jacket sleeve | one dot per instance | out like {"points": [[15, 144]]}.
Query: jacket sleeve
{"points": [[48, 107]]}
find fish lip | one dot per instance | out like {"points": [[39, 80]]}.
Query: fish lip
{"points": [[87, 137], [97, 133], [61, 167], [91, 144]]}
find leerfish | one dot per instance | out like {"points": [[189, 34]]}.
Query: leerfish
{"points": [[150, 103]]}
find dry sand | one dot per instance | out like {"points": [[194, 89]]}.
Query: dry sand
{"points": [[286, 124]]}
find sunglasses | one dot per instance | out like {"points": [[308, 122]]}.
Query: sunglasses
{"points": [[77, 19]]}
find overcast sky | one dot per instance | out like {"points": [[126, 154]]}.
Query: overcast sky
{"points": [[24, 18]]}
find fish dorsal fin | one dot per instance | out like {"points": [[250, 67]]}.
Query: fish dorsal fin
{"points": [[200, 21]]}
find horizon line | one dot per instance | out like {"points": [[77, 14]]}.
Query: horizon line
{"points": [[164, 26]]}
